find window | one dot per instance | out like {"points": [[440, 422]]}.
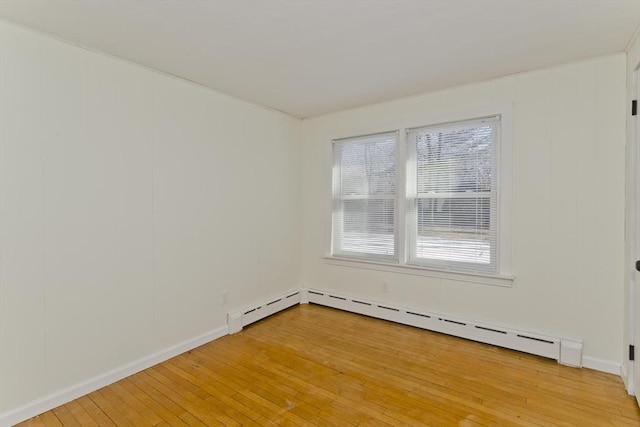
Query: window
{"points": [[449, 216], [364, 197], [452, 196]]}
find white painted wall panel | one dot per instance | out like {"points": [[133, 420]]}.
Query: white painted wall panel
{"points": [[129, 200], [531, 197], [567, 210], [610, 122], [119, 177], [185, 205], [587, 219], [22, 302], [70, 296]]}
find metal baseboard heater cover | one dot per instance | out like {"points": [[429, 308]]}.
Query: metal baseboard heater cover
{"points": [[565, 351], [239, 319]]}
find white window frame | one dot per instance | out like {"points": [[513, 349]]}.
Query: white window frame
{"points": [[503, 277]]}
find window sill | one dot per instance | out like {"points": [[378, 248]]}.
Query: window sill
{"points": [[484, 279]]}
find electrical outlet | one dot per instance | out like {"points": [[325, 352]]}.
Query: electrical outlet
{"points": [[385, 286], [225, 297]]}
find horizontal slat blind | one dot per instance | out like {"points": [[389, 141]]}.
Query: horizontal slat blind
{"points": [[453, 196], [364, 197]]}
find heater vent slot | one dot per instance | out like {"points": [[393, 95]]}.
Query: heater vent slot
{"points": [[340, 298], [273, 302], [388, 308], [418, 314], [360, 302], [490, 330], [535, 339], [453, 321]]}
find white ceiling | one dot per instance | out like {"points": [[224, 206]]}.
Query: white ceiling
{"points": [[310, 57]]}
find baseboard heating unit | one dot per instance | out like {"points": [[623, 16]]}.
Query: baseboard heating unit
{"points": [[239, 319], [565, 351]]}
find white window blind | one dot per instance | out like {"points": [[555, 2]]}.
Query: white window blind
{"points": [[452, 189], [364, 197]]}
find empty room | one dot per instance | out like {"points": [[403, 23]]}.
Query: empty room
{"points": [[319, 213]]}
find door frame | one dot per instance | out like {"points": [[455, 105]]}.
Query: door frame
{"points": [[633, 238]]}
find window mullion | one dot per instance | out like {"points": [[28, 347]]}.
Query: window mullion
{"points": [[401, 199]]}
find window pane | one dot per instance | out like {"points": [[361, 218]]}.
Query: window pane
{"points": [[454, 173], [364, 191], [369, 226], [454, 229], [368, 169], [458, 160]]}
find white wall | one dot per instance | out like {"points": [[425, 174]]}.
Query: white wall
{"points": [[128, 201], [568, 205]]}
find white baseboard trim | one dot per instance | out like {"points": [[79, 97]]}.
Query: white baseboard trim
{"points": [[601, 365], [70, 393]]}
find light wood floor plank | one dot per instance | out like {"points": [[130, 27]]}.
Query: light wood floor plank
{"points": [[49, 419], [315, 366], [172, 410], [83, 418], [148, 398], [65, 416], [94, 411], [106, 400]]}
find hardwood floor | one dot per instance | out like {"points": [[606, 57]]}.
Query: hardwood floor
{"points": [[312, 365]]}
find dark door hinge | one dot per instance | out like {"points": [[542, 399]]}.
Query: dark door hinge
{"points": [[632, 352], [634, 107]]}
